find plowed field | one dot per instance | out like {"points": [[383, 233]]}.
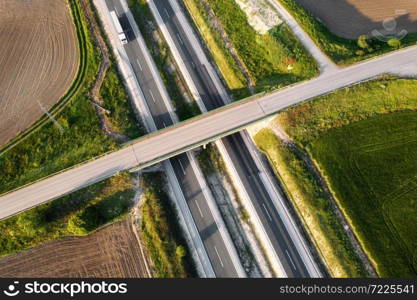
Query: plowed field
{"points": [[38, 60], [110, 252], [351, 18]]}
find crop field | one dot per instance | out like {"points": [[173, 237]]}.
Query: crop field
{"points": [[112, 251], [351, 18], [39, 60], [371, 166]]}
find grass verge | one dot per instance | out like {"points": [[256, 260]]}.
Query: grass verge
{"points": [[163, 59], [162, 235], [273, 60], [343, 51], [78, 213], [312, 205], [49, 150]]}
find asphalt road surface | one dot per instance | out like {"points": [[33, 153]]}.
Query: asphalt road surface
{"points": [[208, 230], [238, 151], [196, 132]]}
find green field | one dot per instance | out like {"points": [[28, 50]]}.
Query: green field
{"points": [[307, 121], [306, 124], [266, 56], [48, 149], [342, 51], [78, 213], [371, 166]]}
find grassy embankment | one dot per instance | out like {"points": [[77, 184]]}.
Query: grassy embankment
{"points": [[78, 213], [266, 56], [343, 51], [306, 124], [162, 235], [48, 150], [163, 59]]}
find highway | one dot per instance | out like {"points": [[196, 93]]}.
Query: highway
{"points": [[162, 115], [236, 148], [190, 134]]}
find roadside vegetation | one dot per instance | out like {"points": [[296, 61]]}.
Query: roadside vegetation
{"points": [[79, 136], [362, 140], [160, 230], [387, 94], [163, 59], [273, 60], [341, 50], [78, 213], [312, 205]]}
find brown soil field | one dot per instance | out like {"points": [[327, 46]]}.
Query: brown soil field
{"points": [[113, 251], [351, 18], [39, 60]]}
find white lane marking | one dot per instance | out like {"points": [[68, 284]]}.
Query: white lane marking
{"points": [[199, 209], [267, 212], [286, 251], [166, 12], [180, 39], [182, 168], [140, 66], [217, 252], [117, 13], [150, 92]]}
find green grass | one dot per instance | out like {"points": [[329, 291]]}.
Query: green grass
{"points": [[163, 60], [116, 100], [48, 150], [266, 56], [342, 51], [307, 121], [221, 56], [78, 213], [312, 205], [371, 166], [162, 235]]}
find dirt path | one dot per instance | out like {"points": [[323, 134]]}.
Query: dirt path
{"points": [[95, 97]]}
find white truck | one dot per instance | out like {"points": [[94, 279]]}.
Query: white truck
{"points": [[118, 27]]}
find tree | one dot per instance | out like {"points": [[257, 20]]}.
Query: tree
{"points": [[180, 252], [363, 42], [395, 43]]}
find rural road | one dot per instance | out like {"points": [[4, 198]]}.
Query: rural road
{"points": [[251, 185], [196, 195], [192, 133]]}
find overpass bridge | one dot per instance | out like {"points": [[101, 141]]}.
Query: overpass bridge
{"points": [[166, 143]]}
